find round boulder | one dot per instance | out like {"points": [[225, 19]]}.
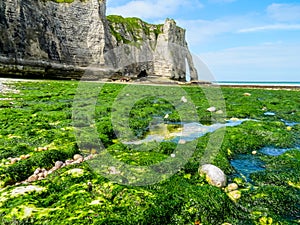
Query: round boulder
{"points": [[77, 157], [213, 175], [58, 164]]}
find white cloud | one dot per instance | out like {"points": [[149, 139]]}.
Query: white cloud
{"points": [[272, 61], [202, 31], [156, 9], [284, 12], [270, 28]]}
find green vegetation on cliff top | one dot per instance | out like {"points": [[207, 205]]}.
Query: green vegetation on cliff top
{"points": [[133, 26], [41, 116]]}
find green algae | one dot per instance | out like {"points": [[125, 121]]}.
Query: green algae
{"points": [[41, 116]]}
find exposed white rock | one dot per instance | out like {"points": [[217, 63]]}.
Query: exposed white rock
{"points": [[25, 189], [32, 178], [37, 171], [77, 156], [58, 164], [69, 161], [211, 109], [232, 187], [214, 175], [235, 195], [183, 99]]}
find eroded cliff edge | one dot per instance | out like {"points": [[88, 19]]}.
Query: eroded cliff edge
{"points": [[49, 39]]}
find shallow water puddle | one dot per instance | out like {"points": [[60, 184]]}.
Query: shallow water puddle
{"points": [[186, 132], [291, 124], [269, 114], [271, 151], [247, 164]]}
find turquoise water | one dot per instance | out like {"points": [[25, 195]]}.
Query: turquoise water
{"points": [[262, 83]]}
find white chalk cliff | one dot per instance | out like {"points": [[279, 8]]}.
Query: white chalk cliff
{"points": [[42, 38]]}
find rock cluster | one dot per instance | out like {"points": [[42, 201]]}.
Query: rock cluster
{"points": [[41, 173], [233, 192], [14, 160]]}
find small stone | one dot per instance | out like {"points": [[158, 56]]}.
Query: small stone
{"points": [[78, 161], [58, 164], [214, 175], [235, 195], [89, 157], [13, 160], [37, 171], [211, 109], [247, 94], [254, 152], [90, 186], [40, 149], [232, 187], [32, 178], [45, 173], [173, 155], [77, 156], [219, 112], [166, 116], [69, 161], [183, 99]]}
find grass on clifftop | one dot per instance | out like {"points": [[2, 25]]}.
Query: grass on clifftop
{"points": [[133, 26]]}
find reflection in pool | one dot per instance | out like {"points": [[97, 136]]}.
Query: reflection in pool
{"points": [[184, 132]]}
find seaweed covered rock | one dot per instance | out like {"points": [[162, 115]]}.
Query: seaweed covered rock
{"points": [[214, 175]]}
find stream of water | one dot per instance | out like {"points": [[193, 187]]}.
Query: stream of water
{"points": [[186, 132]]}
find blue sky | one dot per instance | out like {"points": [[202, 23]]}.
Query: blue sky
{"points": [[237, 39]]}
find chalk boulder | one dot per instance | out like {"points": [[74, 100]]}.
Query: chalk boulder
{"points": [[214, 175]]}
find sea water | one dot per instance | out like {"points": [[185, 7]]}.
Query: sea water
{"points": [[260, 83]]}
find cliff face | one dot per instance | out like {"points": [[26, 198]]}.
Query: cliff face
{"points": [[159, 49], [60, 39]]}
